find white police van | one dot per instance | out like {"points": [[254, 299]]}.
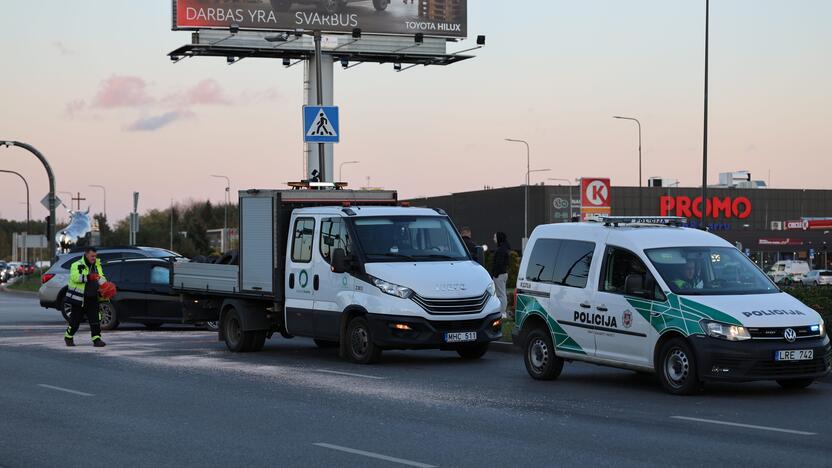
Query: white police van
{"points": [[648, 295]]}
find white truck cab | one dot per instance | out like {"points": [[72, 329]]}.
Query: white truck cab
{"points": [[647, 295], [349, 269]]}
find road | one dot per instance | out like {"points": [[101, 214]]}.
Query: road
{"points": [[175, 397]]}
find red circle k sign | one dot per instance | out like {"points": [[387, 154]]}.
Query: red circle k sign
{"points": [[595, 192]]}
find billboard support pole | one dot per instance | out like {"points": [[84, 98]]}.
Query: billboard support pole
{"points": [[320, 101]]}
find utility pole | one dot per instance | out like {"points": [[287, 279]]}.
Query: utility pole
{"points": [[320, 99], [28, 206], [227, 201], [704, 205], [526, 193], [640, 211]]}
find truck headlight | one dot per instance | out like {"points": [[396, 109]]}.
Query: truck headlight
{"points": [[392, 289], [724, 331], [491, 289]]}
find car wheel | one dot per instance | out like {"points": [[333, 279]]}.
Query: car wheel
{"points": [[152, 326], [473, 351], [281, 5], [108, 316], [212, 325], [795, 384], [381, 5], [66, 309], [324, 344], [676, 368], [360, 346], [541, 361]]}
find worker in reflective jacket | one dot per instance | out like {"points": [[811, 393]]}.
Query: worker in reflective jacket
{"points": [[84, 278]]}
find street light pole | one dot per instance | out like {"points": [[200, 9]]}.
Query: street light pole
{"points": [[640, 212], [28, 206], [103, 189], [227, 201], [341, 169], [569, 183], [704, 206], [526, 194]]}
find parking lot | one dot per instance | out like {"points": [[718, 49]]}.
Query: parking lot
{"points": [[176, 396]]}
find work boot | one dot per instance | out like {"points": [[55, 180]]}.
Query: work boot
{"points": [[99, 343], [69, 341]]}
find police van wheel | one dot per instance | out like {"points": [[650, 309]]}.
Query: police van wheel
{"points": [[360, 346], [474, 351], [108, 315], [677, 368], [541, 361], [795, 384]]}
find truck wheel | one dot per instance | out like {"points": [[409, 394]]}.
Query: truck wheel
{"points": [[474, 351], [360, 346], [108, 316], [541, 361], [676, 368], [281, 5], [324, 344], [257, 340], [795, 384], [381, 5], [232, 328]]}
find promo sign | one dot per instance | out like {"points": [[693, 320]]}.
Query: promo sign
{"points": [[716, 207], [595, 197], [441, 18]]}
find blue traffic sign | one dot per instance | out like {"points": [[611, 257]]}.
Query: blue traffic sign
{"points": [[321, 124]]}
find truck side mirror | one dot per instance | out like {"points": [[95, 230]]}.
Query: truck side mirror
{"points": [[340, 264], [634, 286]]}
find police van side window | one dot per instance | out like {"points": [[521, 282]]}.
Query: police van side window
{"points": [[334, 235], [619, 264], [302, 238], [541, 266], [573, 262]]}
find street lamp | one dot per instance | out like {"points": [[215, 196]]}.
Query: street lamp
{"points": [[227, 201], [105, 196], [526, 194], [28, 207], [341, 169], [569, 183], [640, 212]]}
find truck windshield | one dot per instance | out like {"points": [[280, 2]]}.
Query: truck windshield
{"points": [[408, 238], [706, 271]]}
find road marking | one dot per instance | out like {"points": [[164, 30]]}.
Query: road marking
{"points": [[350, 374], [60, 389], [747, 426], [377, 456]]}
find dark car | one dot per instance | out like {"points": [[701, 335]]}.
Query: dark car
{"points": [[144, 294]]}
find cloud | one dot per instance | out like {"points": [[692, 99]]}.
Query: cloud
{"points": [[206, 92], [256, 97], [62, 49], [121, 91], [156, 122]]}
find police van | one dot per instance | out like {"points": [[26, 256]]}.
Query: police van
{"points": [[649, 295]]}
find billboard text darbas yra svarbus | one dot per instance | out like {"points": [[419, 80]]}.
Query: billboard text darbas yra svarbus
{"points": [[444, 18]]}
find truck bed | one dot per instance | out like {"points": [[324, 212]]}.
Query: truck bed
{"points": [[206, 278]]}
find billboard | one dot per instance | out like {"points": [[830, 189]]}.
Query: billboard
{"points": [[595, 197], [442, 18]]}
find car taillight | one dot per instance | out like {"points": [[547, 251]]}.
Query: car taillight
{"points": [[46, 277]]}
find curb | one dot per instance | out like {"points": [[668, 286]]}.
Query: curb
{"points": [[503, 347], [13, 292]]}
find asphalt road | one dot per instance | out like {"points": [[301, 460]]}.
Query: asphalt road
{"points": [[176, 397]]}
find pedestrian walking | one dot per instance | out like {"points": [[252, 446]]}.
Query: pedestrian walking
{"points": [[85, 277], [499, 269]]}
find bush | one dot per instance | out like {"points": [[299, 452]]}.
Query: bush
{"points": [[816, 297]]}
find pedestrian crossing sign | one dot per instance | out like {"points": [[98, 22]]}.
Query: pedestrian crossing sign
{"points": [[321, 124]]}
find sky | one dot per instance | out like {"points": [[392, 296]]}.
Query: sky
{"points": [[90, 85]]}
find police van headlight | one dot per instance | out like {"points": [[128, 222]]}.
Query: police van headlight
{"points": [[392, 289], [491, 289], [820, 329], [724, 331]]}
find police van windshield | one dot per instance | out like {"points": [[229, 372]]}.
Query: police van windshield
{"points": [[706, 271], [408, 238]]}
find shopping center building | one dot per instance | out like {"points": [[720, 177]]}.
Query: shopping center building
{"points": [[768, 224]]}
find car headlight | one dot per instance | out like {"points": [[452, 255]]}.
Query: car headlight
{"points": [[392, 289], [491, 289], [724, 331]]}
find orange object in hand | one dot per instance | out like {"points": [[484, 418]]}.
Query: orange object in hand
{"points": [[107, 290], [93, 277]]}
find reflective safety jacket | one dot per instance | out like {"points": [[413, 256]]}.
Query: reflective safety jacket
{"points": [[78, 280]]}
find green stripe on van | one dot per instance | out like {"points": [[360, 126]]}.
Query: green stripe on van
{"points": [[527, 306], [679, 313]]}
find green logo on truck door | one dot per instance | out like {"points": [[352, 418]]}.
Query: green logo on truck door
{"points": [[303, 279]]}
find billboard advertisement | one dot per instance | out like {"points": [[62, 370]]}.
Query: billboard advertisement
{"points": [[442, 18], [595, 197]]}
